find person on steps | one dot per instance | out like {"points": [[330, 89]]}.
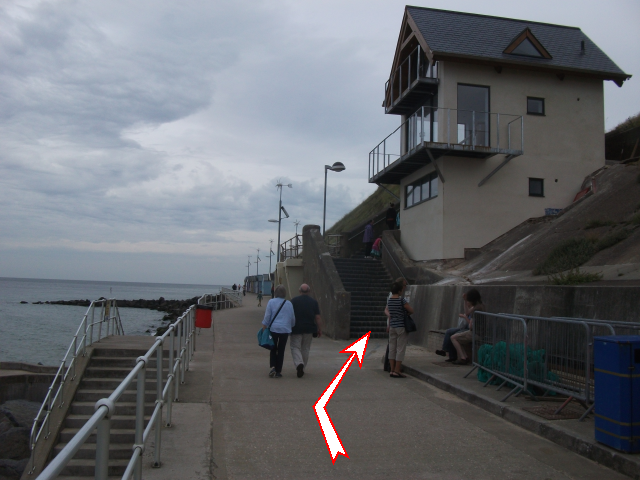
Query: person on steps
{"points": [[367, 239]]}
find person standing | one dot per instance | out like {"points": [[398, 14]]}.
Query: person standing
{"points": [[308, 325], [367, 239], [280, 319], [234, 287], [391, 216], [244, 290], [397, 305], [260, 298]]}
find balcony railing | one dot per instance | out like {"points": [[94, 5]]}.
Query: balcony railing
{"points": [[291, 248], [410, 84], [433, 132]]}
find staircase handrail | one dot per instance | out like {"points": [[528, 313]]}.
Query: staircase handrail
{"points": [[184, 327], [110, 315], [235, 295], [393, 260]]}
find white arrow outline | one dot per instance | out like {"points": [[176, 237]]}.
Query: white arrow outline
{"points": [[334, 444]]}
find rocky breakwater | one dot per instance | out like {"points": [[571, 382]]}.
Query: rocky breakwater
{"points": [[173, 308], [16, 419]]}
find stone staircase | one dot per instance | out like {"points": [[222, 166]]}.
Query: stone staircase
{"points": [[368, 282], [106, 369]]}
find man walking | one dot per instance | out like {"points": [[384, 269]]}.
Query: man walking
{"points": [[308, 324]]}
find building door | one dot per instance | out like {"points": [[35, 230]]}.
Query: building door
{"points": [[473, 115]]}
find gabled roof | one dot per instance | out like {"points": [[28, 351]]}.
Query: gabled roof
{"points": [[451, 34]]}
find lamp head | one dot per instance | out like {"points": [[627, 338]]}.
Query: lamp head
{"points": [[273, 220], [336, 167]]}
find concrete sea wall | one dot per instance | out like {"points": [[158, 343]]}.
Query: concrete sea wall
{"points": [[437, 306]]}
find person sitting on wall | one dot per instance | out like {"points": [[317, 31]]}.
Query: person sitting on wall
{"points": [[367, 239], [472, 302], [465, 337]]}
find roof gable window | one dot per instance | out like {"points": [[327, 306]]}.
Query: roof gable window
{"points": [[527, 45], [527, 48]]}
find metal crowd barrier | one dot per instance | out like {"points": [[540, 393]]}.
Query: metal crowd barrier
{"points": [[108, 315], [554, 354], [184, 329]]}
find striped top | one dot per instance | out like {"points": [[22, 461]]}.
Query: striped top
{"points": [[396, 310]]}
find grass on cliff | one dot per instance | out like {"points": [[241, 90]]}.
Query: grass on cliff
{"points": [[574, 277], [574, 252], [629, 123], [371, 206]]}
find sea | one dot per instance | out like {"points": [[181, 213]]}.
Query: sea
{"points": [[42, 333]]}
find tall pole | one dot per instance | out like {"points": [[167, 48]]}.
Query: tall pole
{"points": [[270, 255], [248, 264], [257, 261], [279, 223], [324, 210]]}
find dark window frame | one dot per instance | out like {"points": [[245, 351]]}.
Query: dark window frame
{"points": [[421, 181], [541, 180], [488, 87], [544, 110]]}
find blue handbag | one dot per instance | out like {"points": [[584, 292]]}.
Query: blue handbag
{"points": [[264, 334]]}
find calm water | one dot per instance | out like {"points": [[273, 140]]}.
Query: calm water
{"points": [[42, 333]]}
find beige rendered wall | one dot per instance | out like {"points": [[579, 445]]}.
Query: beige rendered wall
{"points": [[290, 273], [422, 225], [561, 147]]}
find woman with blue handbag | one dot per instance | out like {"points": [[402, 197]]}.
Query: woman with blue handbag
{"points": [[279, 319]]}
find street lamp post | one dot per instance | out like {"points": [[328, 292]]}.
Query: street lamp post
{"points": [[336, 167], [270, 255], [280, 210]]}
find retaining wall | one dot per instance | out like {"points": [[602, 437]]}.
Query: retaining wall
{"points": [[326, 287], [437, 306]]}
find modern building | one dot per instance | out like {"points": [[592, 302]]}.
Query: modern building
{"points": [[501, 119]]}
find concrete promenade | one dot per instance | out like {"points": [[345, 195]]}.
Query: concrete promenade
{"points": [[234, 422]]}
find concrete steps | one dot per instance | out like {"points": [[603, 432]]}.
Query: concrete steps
{"points": [[106, 370], [368, 282]]}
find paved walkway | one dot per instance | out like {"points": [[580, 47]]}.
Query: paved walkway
{"points": [[234, 422]]}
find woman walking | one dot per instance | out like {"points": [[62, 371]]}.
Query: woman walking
{"points": [[279, 318], [397, 305]]}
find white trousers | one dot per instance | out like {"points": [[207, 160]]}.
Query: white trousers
{"points": [[300, 346]]}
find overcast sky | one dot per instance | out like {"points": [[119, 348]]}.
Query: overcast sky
{"points": [[141, 140]]}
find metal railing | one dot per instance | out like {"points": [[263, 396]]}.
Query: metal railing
{"points": [[291, 248], [229, 297], [554, 354], [333, 241], [107, 316], [471, 131], [182, 339], [408, 73]]}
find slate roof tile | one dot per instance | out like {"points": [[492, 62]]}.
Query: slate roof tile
{"points": [[458, 33]]}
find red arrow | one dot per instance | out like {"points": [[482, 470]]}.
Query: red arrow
{"points": [[328, 430]]}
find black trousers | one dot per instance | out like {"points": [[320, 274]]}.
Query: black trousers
{"points": [[277, 353], [367, 248]]}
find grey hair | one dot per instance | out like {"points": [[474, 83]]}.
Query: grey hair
{"points": [[280, 291]]}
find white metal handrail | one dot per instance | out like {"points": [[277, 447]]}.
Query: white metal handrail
{"points": [[109, 315], [229, 296], [449, 128], [184, 328]]}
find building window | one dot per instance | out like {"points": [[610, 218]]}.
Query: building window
{"points": [[535, 106], [536, 187], [421, 190]]}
